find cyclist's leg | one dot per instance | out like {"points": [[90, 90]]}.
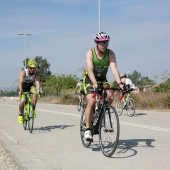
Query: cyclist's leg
{"points": [[21, 109], [34, 99], [89, 108], [34, 96], [124, 101], [110, 95], [21, 104], [79, 96]]}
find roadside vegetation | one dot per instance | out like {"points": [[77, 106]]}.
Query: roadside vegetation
{"points": [[59, 88]]}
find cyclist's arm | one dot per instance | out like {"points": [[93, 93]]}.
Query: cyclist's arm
{"points": [[89, 65], [21, 79], [37, 81], [77, 86], [113, 65]]}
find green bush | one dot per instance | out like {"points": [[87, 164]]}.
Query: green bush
{"points": [[68, 99], [135, 97], [166, 102], [163, 87]]}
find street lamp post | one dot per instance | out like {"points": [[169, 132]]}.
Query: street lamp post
{"points": [[24, 46], [99, 13]]}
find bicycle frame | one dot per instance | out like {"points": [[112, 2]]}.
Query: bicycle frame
{"points": [[102, 103]]}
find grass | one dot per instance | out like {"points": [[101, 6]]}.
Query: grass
{"points": [[144, 100]]}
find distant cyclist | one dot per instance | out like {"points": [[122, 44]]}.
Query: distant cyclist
{"points": [[98, 60], [79, 89], [29, 81], [126, 81]]}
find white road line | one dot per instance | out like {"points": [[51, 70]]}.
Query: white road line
{"points": [[146, 126], [62, 113], [121, 122]]}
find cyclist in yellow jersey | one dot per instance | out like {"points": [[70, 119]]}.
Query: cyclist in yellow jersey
{"points": [[29, 81], [97, 62], [79, 88]]}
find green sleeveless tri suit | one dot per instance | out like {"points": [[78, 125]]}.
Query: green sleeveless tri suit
{"points": [[100, 68]]}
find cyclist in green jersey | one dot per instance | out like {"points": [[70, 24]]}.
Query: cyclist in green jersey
{"points": [[97, 62], [29, 81]]}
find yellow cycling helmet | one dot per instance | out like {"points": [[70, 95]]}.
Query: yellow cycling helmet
{"points": [[32, 63]]}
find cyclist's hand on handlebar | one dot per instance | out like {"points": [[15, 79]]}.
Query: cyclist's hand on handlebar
{"points": [[121, 86], [126, 88], [39, 92], [95, 85]]}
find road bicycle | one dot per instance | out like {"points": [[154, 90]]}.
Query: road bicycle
{"points": [[129, 105], [81, 104], [105, 123], [28, 114]]}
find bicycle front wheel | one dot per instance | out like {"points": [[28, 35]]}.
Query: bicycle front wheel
{"points": [[109, 131], [82, 130], [130, 107], [119, 107], [78, 105], [31, 118]]}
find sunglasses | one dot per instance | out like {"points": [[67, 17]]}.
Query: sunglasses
{"points": [[104, 43], [32, 68]]}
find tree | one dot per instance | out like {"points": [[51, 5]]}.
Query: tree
{"points": [[81, 71], [165, 76], [138, 80], [163, 87], [54, 84], [135, 77], [146, 81], [43, 67]]}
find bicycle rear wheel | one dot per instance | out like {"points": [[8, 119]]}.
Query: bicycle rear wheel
{"points": [[109, 131], [24, 119], [31, 118], [84, 104], [78, 105], [82, 130], [130, 107], [119, 107]]}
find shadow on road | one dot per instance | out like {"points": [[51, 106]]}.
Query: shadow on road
{"points": [[139, 114], [46, 129], [126, 148]]}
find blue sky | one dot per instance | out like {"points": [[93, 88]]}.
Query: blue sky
{"points": [[62, 32]]}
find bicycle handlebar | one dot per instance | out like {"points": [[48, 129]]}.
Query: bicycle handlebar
{"points": [[25, 93], [112, 88], [104, 88]]}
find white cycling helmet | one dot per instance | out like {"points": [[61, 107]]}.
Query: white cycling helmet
{"points": [[101, 36], [123, 76]]}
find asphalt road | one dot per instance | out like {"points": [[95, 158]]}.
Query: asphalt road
{"points": [[55, 143]]}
